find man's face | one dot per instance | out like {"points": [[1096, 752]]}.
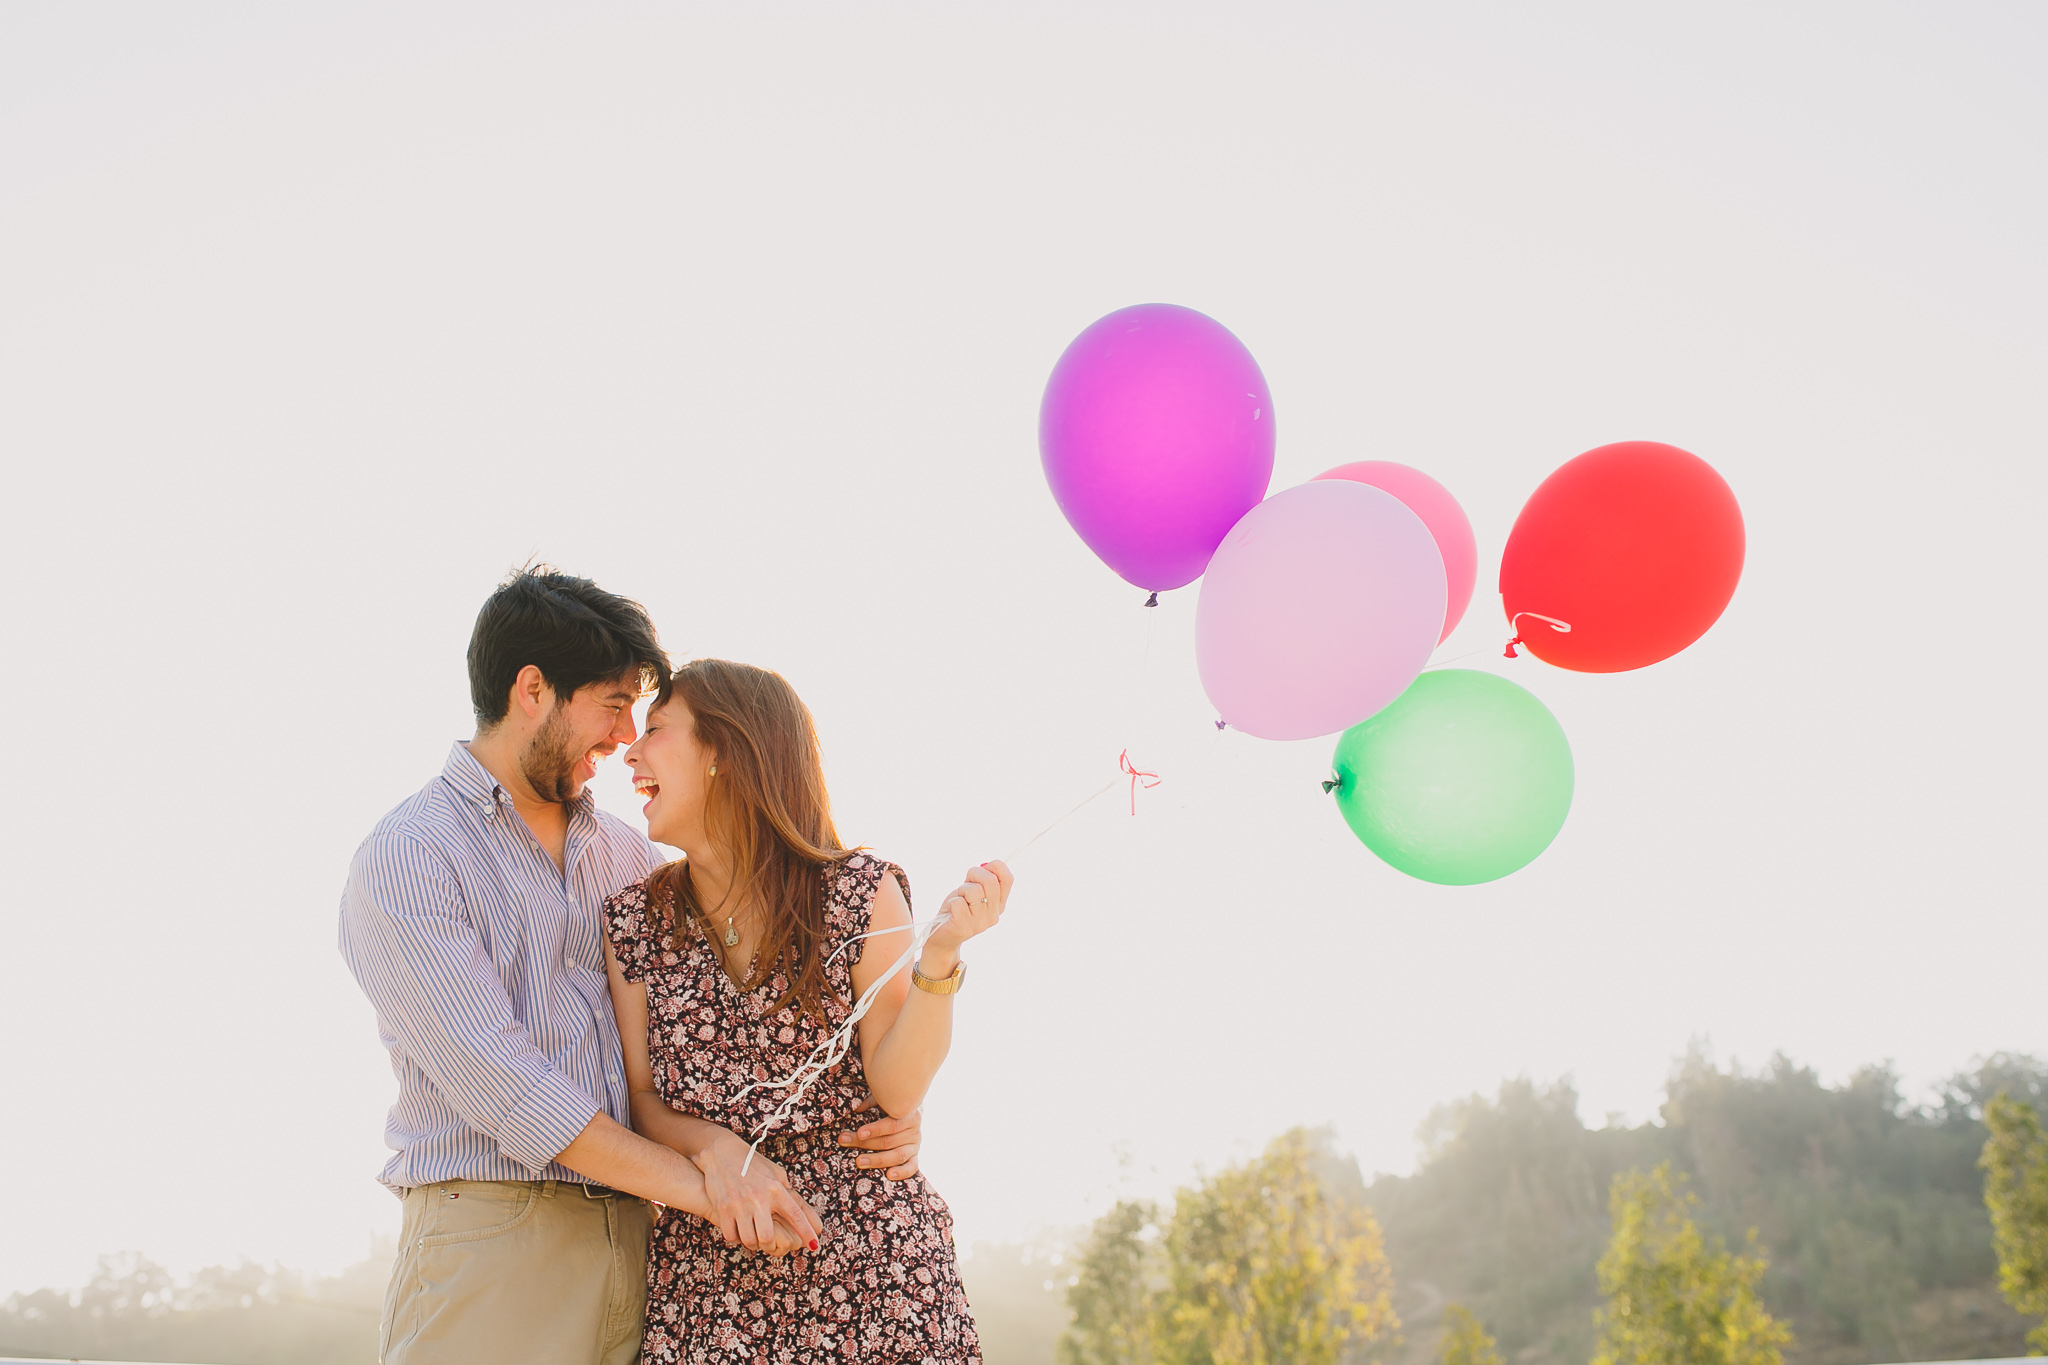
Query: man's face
{"points": [[563, 754]]}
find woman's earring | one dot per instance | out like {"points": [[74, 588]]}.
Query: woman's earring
{"points": [[714, 770]]}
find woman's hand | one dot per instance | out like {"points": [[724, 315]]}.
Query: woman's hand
{"points": [[972, 908], [745, 1208]]}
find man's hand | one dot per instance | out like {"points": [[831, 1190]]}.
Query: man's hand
{"points": [[889, 1145], [746, 1209]]}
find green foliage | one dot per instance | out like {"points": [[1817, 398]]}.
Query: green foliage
{"points": [[1111, 1298], [1674, 1298], [1871, 1210], [1275, 1262], [2015, 1163], [1266, 1267], [133, 1310], [1465, 1341]]}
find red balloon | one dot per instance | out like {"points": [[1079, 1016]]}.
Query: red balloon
{"points": [[1622, 557]]}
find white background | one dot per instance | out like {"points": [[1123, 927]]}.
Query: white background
{"points": [[315, 320]]}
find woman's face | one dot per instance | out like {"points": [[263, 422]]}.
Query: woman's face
{"points": [[672, 770]]}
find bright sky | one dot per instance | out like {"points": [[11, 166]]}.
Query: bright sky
{"points": [[315, 319]]}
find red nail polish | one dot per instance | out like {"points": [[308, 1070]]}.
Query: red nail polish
{"points": [[814, 1244]]}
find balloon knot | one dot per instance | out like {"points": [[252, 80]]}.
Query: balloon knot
{"points": [[1219, 725], [1509, 653], [1153, 600], [1331, 786]]}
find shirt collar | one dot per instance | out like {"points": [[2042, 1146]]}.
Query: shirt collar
{"points": [[473, 782]]}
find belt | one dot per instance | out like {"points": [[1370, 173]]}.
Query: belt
{"points": [[591, 1189]]}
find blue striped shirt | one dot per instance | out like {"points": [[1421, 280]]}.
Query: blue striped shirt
{"points": [[486, 965]]}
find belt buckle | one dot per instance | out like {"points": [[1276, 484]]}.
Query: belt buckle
{"points": [[596, 1191]]}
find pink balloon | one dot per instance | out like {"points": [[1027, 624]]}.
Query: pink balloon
{"points": [[1156, 433], [1319, 608], [1440, 512]]}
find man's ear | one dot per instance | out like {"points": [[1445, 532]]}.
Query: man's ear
{"points": [[531, 694]]}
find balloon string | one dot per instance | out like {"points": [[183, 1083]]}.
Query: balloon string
{"points": [[1459, 658], [833, 1050], [1515, 624], [1088, 800], [1137, 775]]}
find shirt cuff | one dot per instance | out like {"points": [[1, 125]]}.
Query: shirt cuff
{"points": [[546, 1118]]}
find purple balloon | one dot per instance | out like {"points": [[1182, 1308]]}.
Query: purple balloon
{"points": [[1157, 434], [1320, 607]]}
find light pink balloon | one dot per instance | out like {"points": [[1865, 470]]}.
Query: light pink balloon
{"points": [[1319, 608], [1440, 512]]}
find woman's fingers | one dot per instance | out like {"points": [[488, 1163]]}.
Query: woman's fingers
{"points": [[801, 1217], [984, 893], [990, 886], [761, 1223], [977, 903]]}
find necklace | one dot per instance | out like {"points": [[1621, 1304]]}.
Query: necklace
{"points": [[732, 935]]}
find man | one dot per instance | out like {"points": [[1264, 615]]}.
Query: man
{"points": [[471, 920]]}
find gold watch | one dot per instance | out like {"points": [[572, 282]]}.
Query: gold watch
{"points": [[945, 985]]}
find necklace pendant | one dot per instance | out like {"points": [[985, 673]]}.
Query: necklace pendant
{"points": [[732, 935]]}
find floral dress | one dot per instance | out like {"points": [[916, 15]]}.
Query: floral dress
{"points": [[883, 1285]]}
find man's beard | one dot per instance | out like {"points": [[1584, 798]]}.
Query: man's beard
{"points": [[547, 763]]}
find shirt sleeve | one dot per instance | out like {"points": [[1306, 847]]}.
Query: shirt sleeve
{"points": [[408, 939]]}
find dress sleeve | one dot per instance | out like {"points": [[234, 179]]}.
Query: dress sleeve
{"points": [[627, 925], [852, 903]]}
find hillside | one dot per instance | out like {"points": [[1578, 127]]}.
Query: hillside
{"points": [[1870, 1210]]}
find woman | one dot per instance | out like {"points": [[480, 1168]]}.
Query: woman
{"points": [[728, 970]]}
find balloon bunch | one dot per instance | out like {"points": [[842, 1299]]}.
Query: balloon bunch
{"points": [[1321, 604]]}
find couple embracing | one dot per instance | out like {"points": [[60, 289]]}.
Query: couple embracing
{"points": [[581, 1030]]}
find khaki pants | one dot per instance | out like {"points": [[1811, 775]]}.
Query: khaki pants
{"points": [[507, 1271]]}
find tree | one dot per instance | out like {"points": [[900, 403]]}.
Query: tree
{"points": [[1673, 1298], [1275, 1262], [1266, 1264], [2015, 1163], [1465, 1341], [134, 1310], [1111, 1297]]}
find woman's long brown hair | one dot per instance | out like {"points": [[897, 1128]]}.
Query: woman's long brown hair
{"points": [[768, 812]]}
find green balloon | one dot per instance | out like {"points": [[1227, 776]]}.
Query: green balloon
{"points": [[1463, 778]]}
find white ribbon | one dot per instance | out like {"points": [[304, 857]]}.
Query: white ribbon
{"points": [[832, 1051]]}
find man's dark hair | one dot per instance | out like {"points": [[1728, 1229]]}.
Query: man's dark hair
{"points": [[573, 631]]}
